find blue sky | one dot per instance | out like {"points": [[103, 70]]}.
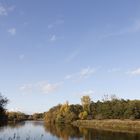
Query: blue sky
{"points": [[52, 51]]}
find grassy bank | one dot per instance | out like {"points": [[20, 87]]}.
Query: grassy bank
{"points": [[111, 125]]}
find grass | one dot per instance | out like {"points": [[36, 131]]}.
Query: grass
{"points": [[112, 125]]}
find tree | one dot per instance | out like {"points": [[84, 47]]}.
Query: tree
{"points": [[16, 116], [83, 115], [38, 116], [85, 100], [3, 103]]}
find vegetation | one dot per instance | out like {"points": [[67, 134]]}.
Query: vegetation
{"points": [[3, 103], [109, 124], [19, 116], [108, 108], [16, 116], [38, 116], [63, 113]]}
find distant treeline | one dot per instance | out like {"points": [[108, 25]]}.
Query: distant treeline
{"points": [[19, 116], [108, 108], [6, 116]]}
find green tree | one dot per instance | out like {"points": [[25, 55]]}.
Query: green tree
{"points": [[83, 115]]}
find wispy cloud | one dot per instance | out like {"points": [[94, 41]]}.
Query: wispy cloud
{"points": [[12, 31], [5, 10], [86, 93], [26, 88], [84, 73], [57, 22], [46, 87], [69, 76], [134, 72], [43, 87], [114, 70], [53, 38], [15, 110], [73, 55], [133, 28]]}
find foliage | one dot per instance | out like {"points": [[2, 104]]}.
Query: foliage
{"points": [[85, 100], [83, 115], [16, 116], [63, 113], [52, 114], [3, 103], [38, 116], [108, 108]]}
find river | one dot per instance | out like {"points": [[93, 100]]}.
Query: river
{"points": [[37, 130]]}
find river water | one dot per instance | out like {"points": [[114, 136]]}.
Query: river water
{"points": [[37, 130]]}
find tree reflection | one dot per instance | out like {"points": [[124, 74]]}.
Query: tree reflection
{"points": [[65, 132], [16, 125], [11, 126], [37, 123], [93, 134]]}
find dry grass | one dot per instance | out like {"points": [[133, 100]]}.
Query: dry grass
{"points": [[113, 125]]}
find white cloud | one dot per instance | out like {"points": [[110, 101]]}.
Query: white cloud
{"points": [[12, 31], [57, 22], [134, 27], [84, 73], [43, 87], [135, 72], [48, 87], [73, 55], [15, 110], [86, 93], [68, 77], [5, 10], [53, 38], [114, 70], [26, 88]]}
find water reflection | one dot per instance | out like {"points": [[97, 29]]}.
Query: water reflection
{"points": [[69, 132], [65, 132], [92, 134], [37, 130], [12, 126], [38, 123]]}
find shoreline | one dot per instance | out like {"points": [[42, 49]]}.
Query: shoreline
{"points": [[110, 125]]}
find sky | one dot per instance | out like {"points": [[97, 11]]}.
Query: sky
{"points": [[53, 51]]}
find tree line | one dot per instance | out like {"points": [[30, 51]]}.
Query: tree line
{"points": [[12, 116], [108, 108]]}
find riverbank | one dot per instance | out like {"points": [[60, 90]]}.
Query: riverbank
{"points": [[111, 125]]}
